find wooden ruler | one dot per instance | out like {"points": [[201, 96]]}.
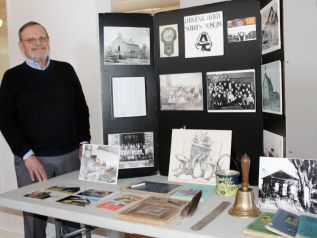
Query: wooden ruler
{"points": [[211, 216]]}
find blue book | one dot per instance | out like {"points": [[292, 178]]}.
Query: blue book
{"points": [[307, 227], [283, 223]]}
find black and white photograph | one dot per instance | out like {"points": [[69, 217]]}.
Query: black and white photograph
{"points": [[271, 76], [270, 23], [204, 35], [181, 92], [197, 154], [273, 145], [100, 163], [289, 184], [242, 29], [169, 41], [231, 91], [136, 149], [128, 97], [126, 45]]}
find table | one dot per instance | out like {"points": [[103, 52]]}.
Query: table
{"points": [[224, 225]]}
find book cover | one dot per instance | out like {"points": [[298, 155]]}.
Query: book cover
{"points": [[120, 202], [283, 223], [188, 191], [257, 227], [307, 227], [153, 210]]}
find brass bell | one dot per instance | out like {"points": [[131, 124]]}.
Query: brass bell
{"points": [[244, 205]]}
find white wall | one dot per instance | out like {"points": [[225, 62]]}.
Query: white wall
{"points": [[74, 37], [192, 3], [300, 34]]}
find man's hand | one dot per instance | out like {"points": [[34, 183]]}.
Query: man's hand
{"points": [[35, 167]]}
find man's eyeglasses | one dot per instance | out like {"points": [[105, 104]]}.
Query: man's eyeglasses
{"points": [[33, 40]]}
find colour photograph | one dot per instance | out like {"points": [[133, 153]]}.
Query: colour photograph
{"points": [[242, 29]]}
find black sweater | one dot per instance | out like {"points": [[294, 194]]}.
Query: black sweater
{"points": [[43, 110]]}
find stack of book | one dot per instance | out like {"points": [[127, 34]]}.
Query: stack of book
{"points": [[282, 224]]}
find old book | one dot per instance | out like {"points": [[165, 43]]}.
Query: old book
{"points": [[188, 191], [283, 223], [257, 227], [153, 210], [153, 188]]}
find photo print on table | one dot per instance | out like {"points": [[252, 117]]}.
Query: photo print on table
{"points": [[242, 29], [100, 163], [288, 183], [273, 145], [196, 155], [231, 91], [272, 99], [181, 92], [204, 35], [271, 32], [169, 41], [126, 45], [38, 195], [136, 149]]}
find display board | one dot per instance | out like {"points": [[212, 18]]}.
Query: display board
{"points": [[172, 83], [240, 52], [128, 90]]}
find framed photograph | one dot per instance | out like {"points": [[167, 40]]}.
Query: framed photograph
{"points": [[204, 35], [100, 163], [197, 154], [136, 149], [169, 41], [231, 91], [273, 144], [128, 97], [126, 45], [242, 29], [289, 184], [181, 92], [270, 23], [272, 99]]}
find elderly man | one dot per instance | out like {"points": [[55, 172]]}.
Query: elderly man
{"points": [[43, 117]]}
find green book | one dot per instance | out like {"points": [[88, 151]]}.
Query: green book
{"points": [[257, 227], [307, 227]]}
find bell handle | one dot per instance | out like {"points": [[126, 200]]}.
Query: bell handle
{"points": [[245, 167]]}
